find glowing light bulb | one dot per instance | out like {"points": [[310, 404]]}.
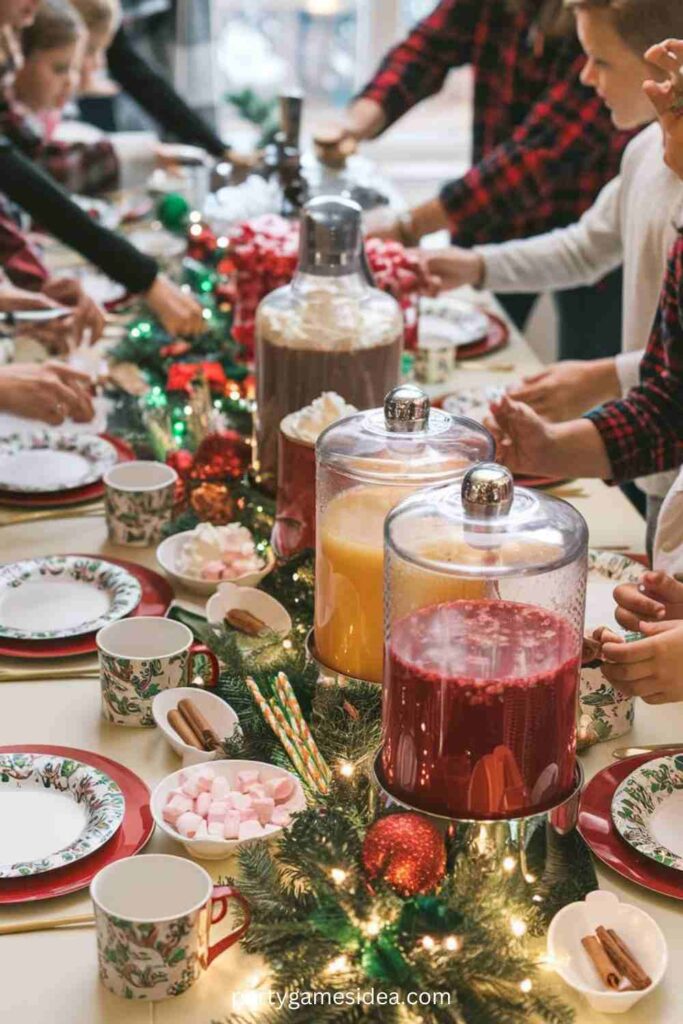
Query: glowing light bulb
{"points": [[373, 927], [338, 876], [338, 965], [453, 943], [509, 864], [525, 985], [428, 942], [517, 927], [346, 770]]}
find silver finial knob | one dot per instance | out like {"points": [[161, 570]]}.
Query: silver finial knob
{"points": [[487, 491], [291, 105], [406, 409]]}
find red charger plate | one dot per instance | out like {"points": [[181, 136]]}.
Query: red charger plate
{"points": [[596, 827], [74, 496], [133, 834], [157, 594], [497, 338]]}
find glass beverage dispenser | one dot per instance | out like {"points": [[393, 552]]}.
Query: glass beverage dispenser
{"points": [[484, 620], [365, 465], [326, 331]]}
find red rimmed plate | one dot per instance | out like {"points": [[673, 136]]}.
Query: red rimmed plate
{"points": [[157, 594], [597, 828], [133, 834], [76, 496], [497, 338]]}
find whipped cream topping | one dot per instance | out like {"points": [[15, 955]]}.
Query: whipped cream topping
{"points": [[329, 321], [219, 553], [309, 422]]}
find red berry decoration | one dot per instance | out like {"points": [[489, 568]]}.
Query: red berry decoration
{"points": [[407, 851]]}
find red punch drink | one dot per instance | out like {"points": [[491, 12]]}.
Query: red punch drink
{"points": [[480, 709]]}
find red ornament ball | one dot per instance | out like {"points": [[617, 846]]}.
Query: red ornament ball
{"points": [[213, 503], [407, 851], [221, 457]]}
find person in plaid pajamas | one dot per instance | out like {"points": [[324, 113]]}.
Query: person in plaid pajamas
{"points": [[543, 143]]}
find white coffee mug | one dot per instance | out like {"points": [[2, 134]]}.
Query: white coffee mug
{"points": [[139, 658], [153, 915], [138, 501]]}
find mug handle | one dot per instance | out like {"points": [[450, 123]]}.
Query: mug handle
{"points": [[213, 661], [219, 902]]}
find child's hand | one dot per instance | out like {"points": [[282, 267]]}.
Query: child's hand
{"points": [[667, 99], [524, 442], [648, 668], [179, 312], [657, 597], [567, 389]]}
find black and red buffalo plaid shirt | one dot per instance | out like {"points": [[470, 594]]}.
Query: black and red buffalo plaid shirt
{"points": [[543, 146], [643, 432]]}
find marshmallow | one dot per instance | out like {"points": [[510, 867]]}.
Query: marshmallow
{"points": [[202, 831], [247, 778], [220, 787], [280, 788], [215, 828], [202, 804], [239, 801], [264, 807], [188, 823], [217, 810], [191, 788], [247, 813], [205, 777], [251, 830], [179, 803], [281, 817], [255, 789], [231, 825]]}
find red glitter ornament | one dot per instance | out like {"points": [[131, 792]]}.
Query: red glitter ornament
{"points": [[407, 852], [213, 503], [221, 457]]}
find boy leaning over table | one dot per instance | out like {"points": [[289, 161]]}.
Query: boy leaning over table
{"points": [[631, 221], [641, 433]]}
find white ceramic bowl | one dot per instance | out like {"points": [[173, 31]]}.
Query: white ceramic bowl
{"points": [[217, 849], [637, 929], [230, 596], [219, 714], [167, 554]]}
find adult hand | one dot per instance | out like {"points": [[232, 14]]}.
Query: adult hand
{"points": [[448, 268], [88, 319], [658, 596], [667, 99], [178, 311], [382, 223], [648, 668], [568, 389], [51, 392]]}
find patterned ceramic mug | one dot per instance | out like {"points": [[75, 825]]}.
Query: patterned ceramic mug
{"points": [[153, 915], [138, 501], [139, 658]]}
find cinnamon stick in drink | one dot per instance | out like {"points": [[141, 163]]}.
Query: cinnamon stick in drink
{"points": [[184, 729], [245, 622], [604, 966], [199, 724], [622, 958]]}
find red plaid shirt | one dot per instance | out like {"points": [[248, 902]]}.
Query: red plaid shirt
{"points": [[19, 257], [86, 168], [544, 145], [643, 433]]}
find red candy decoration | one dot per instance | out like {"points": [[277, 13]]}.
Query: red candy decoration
{"points": [[407, 852]]}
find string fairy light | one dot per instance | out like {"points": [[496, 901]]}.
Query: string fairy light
{"points": [[526, 985], [338, 876], [517, 927], [509, 864]]}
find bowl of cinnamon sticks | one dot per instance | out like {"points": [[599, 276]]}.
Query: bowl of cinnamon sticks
{"points": [[613, 953], [194, 721]]}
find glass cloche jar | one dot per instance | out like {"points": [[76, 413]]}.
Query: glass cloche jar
{"points": [[485, 599], [326, 331], [366, 464]]}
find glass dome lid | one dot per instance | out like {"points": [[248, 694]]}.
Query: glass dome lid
{"points": [[486, 527], [404, 441]]}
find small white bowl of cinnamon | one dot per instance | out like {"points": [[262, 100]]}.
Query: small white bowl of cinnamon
{"points": [[613, 953], [194, 721]]}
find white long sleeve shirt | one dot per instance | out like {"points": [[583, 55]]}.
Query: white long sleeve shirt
{"points": [[631, 222]]}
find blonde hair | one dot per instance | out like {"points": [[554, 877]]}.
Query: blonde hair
{"points": [[56, 24], [640, 23], [98, 15]]}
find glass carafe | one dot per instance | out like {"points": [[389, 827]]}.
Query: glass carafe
{"points": [[365, 465], [485, 599], [326, 331]]}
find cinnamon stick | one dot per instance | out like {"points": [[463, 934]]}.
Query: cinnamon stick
{"points": [[199, 724], [622, 958], [245, 622], [604, 967], [184, 730]]}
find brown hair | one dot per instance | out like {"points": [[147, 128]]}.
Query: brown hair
{"points": [[56, 24], [640, 23], [553, 18], [98, 15]]}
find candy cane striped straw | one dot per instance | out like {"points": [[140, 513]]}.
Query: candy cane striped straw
{"points": [[287, 695], [305, 752], [267, 713]]}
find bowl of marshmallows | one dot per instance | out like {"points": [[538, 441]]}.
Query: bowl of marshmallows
{"points": [[202, 558]]}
